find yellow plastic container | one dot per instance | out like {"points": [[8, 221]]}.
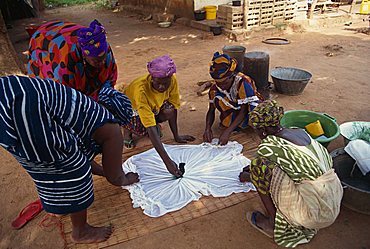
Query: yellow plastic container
{"points": [[365, 7], [211, 11], [314, 129]]}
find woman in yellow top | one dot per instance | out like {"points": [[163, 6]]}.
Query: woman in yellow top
{"points": [[155, 99]]}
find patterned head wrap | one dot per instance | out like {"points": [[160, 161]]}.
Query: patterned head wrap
{"points": [[161, 67], [92, 40], [266, 114], [222, 66]]}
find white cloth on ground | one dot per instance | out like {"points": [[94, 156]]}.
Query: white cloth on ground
{"points": [[360, 151], [209, 170]]}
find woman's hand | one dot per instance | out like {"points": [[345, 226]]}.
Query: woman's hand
{"points": [[244, 176], [184, 138], [173, 169], [130, 178], [224, 138], [207, 136]]}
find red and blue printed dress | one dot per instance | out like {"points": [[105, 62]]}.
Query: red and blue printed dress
{"points": [[54, 54], [242, 92]]}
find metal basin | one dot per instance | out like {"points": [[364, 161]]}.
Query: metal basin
{"points": [[289, 80], [356, 194]]}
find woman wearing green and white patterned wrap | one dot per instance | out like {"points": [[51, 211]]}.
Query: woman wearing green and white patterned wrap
{"points": [[294, 178]]}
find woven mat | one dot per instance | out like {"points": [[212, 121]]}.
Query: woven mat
{"points": [[113, 205]]}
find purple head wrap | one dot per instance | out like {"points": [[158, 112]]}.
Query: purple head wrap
{"points": [[92, 40], [161, 67]]}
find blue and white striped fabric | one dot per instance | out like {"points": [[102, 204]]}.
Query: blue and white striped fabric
{"points": [[48, 128], [117, 103]]}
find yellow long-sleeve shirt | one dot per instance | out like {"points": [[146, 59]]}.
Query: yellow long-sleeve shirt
{"points": [[148, 101]]}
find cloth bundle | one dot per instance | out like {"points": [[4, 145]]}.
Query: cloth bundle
{"points": [[209, 170], [360, 151], [311, 204]]}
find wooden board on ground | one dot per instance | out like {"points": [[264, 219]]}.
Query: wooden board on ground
{"points": [[113, 205]]}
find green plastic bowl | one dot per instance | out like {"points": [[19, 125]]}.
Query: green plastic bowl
{"points": [[301, 118]]}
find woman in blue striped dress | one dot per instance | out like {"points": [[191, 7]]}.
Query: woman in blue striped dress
{"points": [[55, 132]]}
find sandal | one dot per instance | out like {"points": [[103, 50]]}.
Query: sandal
{"points": [[27, 214], [128, 144], [252, 219]]}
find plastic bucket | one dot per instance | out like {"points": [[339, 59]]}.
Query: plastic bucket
{"points": [[199, 15], [355, 130], [301, 118], [236, 52], [211, 11]]}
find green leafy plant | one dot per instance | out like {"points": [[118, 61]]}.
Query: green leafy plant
{"points": [[99, 3], [360, 132], [58, 3], [103, 4]]}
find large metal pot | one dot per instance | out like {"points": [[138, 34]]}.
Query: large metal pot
{"points": [[356, 186]]}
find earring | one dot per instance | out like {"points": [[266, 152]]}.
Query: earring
{"points": [[264, 134]]}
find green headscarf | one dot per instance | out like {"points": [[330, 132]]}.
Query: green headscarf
{"points": [[266, 114]]}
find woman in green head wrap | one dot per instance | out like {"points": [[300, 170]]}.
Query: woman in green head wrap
{"points": [[294, 177]]}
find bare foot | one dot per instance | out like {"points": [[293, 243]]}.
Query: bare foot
{"points": [[90, 234], [130, 178]]}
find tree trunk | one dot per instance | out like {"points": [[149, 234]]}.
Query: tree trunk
{"points": [[9, 61], [352, 9], [245, 13], [36, 7]]}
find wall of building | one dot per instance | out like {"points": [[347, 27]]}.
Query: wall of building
{"points": [[198, 4], [181, 8]]}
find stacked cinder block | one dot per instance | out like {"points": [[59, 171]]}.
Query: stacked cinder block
{"points": [[279, 11], [230, 17], [301, 10], [253, 13], [267, 12], [290, 10], [258, 13]]}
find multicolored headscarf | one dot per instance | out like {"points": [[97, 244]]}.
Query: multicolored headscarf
{"points": [[161, 67], [222, 66], [266, 114], [93, 40]]}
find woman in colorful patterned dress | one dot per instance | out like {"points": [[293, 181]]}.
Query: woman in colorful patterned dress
{"points": [[294, 178], [155, 99], [79, 57], [234, 95], [55, 132]]}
